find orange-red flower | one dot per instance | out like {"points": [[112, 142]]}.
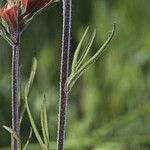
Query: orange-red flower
{"points": [[16, 16], [37, 4], [9, 15], [34, 6]]}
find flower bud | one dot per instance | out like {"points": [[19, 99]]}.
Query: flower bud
{"points": [[16, 14], [9, 16]]}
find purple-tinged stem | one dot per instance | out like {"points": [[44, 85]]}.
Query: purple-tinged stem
{"points": [[15, 84], [67, 5], [15, 92]]}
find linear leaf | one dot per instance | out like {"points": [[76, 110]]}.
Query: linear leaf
{"points": [[77, 51], [26, 93], [34, 126], [43, 126], [27, 143], [98, 53], [28, 86], [31, 78], [76, 75], [87, 49], [15, 135], [45, 119]]}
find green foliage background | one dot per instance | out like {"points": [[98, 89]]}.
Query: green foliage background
{"points": [[109, 107]]}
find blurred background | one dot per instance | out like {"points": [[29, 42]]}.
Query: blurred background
{"points": [[109, 107]]}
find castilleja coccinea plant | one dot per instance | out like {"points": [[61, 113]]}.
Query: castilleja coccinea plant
{"points": [[15, 15]]}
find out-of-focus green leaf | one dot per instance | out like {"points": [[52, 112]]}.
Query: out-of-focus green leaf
{"points": [[77, 51], [78, 71], [26, 93], [28, 87], [87, 49], [27, 143], [44, 124], [15, 135]]}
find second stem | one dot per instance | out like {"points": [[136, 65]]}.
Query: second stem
{"points": [[67, 4]]}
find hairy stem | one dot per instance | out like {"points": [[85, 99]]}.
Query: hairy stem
{"points": [[15, 92], [64, 72]]}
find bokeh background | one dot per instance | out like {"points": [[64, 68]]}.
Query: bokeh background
{"points": [[109, 107]]}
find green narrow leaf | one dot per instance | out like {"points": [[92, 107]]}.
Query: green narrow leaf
{"points": [[87, 49], [70, 79], [70, 82], [44, 123], [45, 119], [27, 143], [15, 135], [43, 126], [98, 53], [28, 86], [34, 126], [76, 75], [26, 93], [31, 78], [75, 58]]}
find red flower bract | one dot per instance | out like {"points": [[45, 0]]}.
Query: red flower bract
{"points": [[29, 8], [9, 15], [33, 6], [16, 16]]}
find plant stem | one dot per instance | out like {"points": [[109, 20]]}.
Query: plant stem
{"points": [[67, 5], [15, 91]]}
